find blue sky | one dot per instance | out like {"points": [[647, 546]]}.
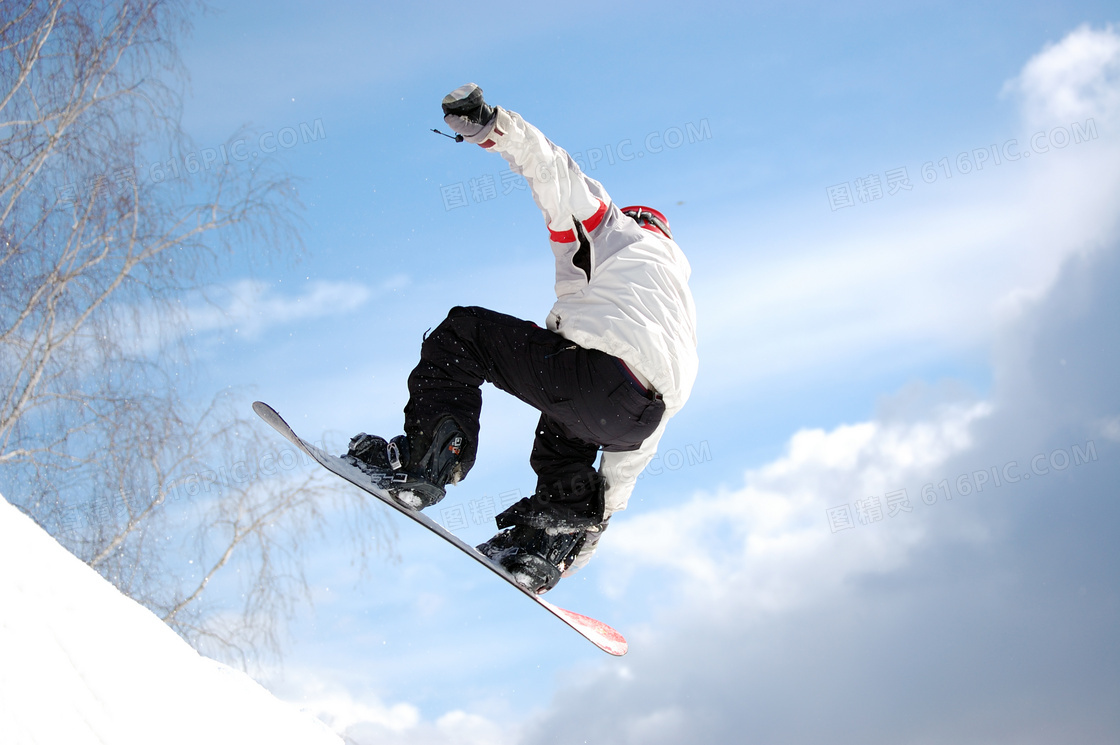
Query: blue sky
{"points": [[846, 352]]}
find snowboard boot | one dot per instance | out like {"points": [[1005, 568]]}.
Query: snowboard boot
{"points": [[536, 557], [416, 484]]}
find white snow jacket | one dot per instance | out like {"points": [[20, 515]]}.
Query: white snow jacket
{"points": [[630, 299]]}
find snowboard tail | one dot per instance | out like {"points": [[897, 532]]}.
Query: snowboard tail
{"points": [[596, 632]]}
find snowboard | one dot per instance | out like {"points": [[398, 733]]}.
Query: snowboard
{"points": [[596, 632]]}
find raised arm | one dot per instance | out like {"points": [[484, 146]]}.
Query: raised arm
{"points": [[561, 190]]}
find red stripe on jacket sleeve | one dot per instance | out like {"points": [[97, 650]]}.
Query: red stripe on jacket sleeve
{"points": [[489, 143], [569, 236], [593, 222]]}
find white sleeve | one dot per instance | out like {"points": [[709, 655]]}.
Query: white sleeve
{"points": [[621, 470], [561, 190]]}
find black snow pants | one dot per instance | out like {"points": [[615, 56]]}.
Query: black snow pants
{"points": [[588, 400]]}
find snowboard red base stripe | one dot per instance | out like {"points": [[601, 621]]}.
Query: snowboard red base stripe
{"points": [[596, 632]]}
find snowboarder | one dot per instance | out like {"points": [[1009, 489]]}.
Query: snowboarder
{"points": [[617, 359]]}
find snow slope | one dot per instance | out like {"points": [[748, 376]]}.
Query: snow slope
{"points": [[81, 663]]}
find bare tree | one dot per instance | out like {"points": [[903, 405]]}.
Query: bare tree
{"points": [[97, 426], [209, 495]]}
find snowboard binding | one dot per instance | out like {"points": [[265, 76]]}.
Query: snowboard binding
{"points": [[539, 548], [414, 485], [535, 557]]}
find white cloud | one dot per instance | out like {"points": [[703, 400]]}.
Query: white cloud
{"points": [[250, 307], [341, 711], [1076, 79], [244, 308], [364, 719], [770, 542]]}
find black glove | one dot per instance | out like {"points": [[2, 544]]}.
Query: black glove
{"points": [[466, 112]]}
